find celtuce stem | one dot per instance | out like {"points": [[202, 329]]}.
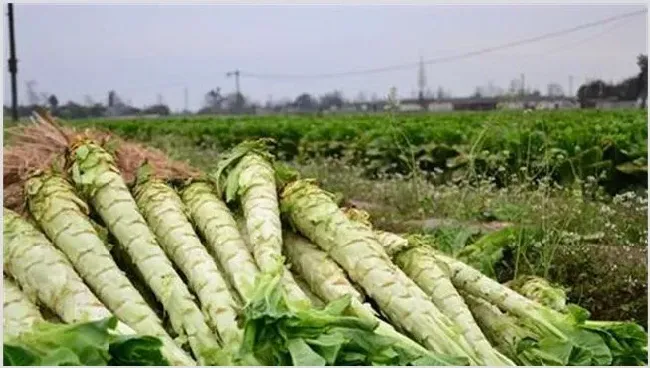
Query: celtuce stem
{"points": [[19, 314], [355, 248], [95, 176], [165, 214], [64, 218], [218, 227], [45, 274]]}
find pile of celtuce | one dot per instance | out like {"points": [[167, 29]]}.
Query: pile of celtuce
{"points": [[250, 265]]}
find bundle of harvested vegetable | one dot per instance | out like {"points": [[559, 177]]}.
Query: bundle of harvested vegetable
{"points": [[628, 342], [63, 217], [45, 273], [353, 246], [166, 216], [30, 340], [247, 174], [579, 345], [330, 283], [539, 290], [292, 291], [96, 177], [422, 268], [426, 272], [520, 339], [216, 224]]}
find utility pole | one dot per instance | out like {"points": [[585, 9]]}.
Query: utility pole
{"points": [[238, 96], [523, 84], [236, 74], [13, 63], [570, 86], [422, 81]]}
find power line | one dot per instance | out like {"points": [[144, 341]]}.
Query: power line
{"points": [[449, 58], [583, 40], [570, 45]]}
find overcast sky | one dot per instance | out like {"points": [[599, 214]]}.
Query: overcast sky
{"points": [[141, 51]]}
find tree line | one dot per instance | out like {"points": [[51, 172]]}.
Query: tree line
{"points": [[632, 88]]}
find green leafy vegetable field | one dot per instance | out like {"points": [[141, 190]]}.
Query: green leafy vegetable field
{"points": [[610, 145]]}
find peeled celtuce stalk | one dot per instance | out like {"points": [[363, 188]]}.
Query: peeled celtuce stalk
{"points": [[247, 174], [19, 314], [293, 292], [506, 335], [329, 282], [627, 341], [319, 271], [44, 273], [95, 176], [165, 214], [354, 246], [30, 340], [215, 223], [422, 268], [393, 243], [315, 300], [323, 276], [540, 290], [63, 217], [565, 330], [473, 282]]}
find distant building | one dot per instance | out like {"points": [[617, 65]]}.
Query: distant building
{"points": [[440, 106]]}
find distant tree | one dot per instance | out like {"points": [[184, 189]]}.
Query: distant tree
{"points": [[592, 90], [235, 103], [53, 101], [213, 100], [642, 84], [97, 110], [332, 99], [628, 89], [157, 109], [73, 110], [305, 102], [112, 97]]}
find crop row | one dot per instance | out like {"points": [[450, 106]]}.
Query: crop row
{"points": [[564, 144]]}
